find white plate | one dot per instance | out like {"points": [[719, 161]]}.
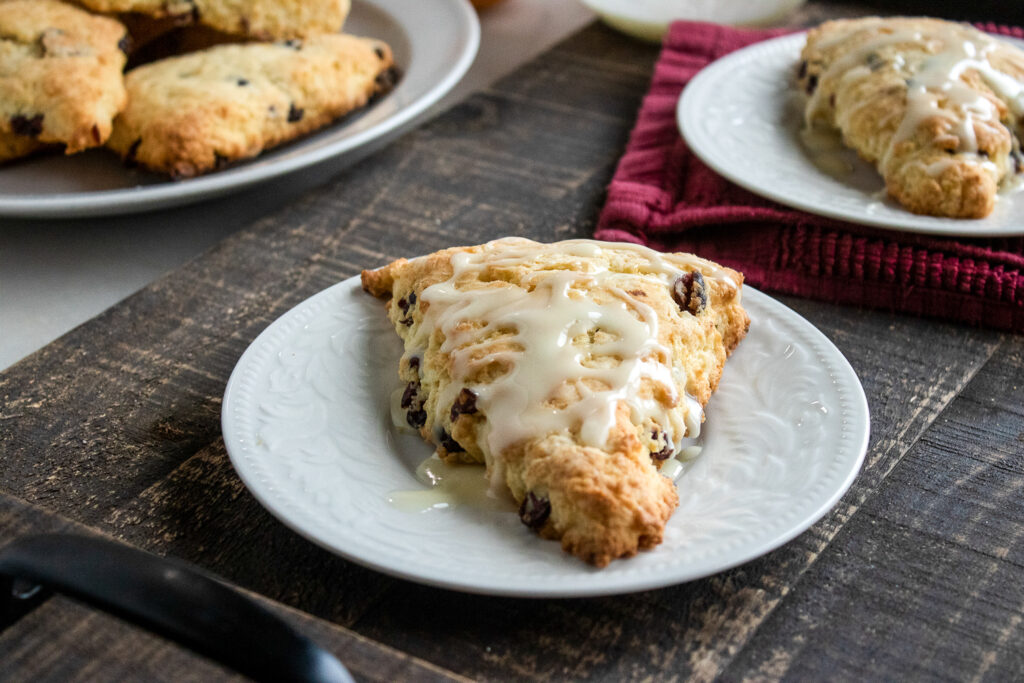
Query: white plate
{"points": [[434, 43], [741, 116], [307, 424]]}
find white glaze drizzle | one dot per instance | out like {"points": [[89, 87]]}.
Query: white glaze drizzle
{"points": [[826, 151], [938, 81], [935, 87], [851, 64], [540, 317], [448, 487]]}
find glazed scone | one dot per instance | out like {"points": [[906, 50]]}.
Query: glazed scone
{"points": [[258, 19], [153, 39], [60, 77], [571, 370], [192, 114], [935, 106]]}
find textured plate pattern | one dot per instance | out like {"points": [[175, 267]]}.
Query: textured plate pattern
{"points": [[742, 117], [307, 425]]}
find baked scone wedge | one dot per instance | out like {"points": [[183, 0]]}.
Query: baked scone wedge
{"points": [[936, 106], [571, 370], [257, 19], [195, 113], [60, 77]]}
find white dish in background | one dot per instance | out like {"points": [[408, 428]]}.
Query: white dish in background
{"points": [[741, 115], [650, 19], [306, 421], [434, 43]]}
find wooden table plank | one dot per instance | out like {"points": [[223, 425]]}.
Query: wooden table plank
{"points": [[63, 640]]}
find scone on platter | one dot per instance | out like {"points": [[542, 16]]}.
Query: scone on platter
{"points": [[936, 106], [194, 113], [60, 77], [571, 370], [256, 19]]}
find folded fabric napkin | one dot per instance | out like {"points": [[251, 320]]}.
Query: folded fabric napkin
{"points": [[663, 196]]}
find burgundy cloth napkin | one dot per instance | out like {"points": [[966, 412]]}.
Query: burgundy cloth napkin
{"points": [[661, 195]]}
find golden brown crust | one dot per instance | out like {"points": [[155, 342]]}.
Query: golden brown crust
{"points": [[60, 76], [191, 114], [16, 146], [605, 502], [945, 161]]}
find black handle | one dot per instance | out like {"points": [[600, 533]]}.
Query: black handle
{"points": [[168, 597]]}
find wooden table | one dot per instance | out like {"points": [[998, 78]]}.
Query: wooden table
{"points": [[114, 430]]}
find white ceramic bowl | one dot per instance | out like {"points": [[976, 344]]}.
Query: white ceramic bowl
{"points": [[649, 19]]}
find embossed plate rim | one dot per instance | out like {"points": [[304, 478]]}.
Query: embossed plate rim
{"points": [[336, 520], [436, 63], [771, 62]]}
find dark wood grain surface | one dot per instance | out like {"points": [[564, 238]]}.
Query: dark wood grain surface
{"points": [[114, 429]]}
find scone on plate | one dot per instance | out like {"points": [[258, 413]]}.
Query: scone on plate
{"points": [[936, 106], [571, 370], [195, 113], [60, 77], [256, 19]]}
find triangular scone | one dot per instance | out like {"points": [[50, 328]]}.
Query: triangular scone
{"points": [[936, 106], [572, 370], [194, 113], [60, 77]]}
